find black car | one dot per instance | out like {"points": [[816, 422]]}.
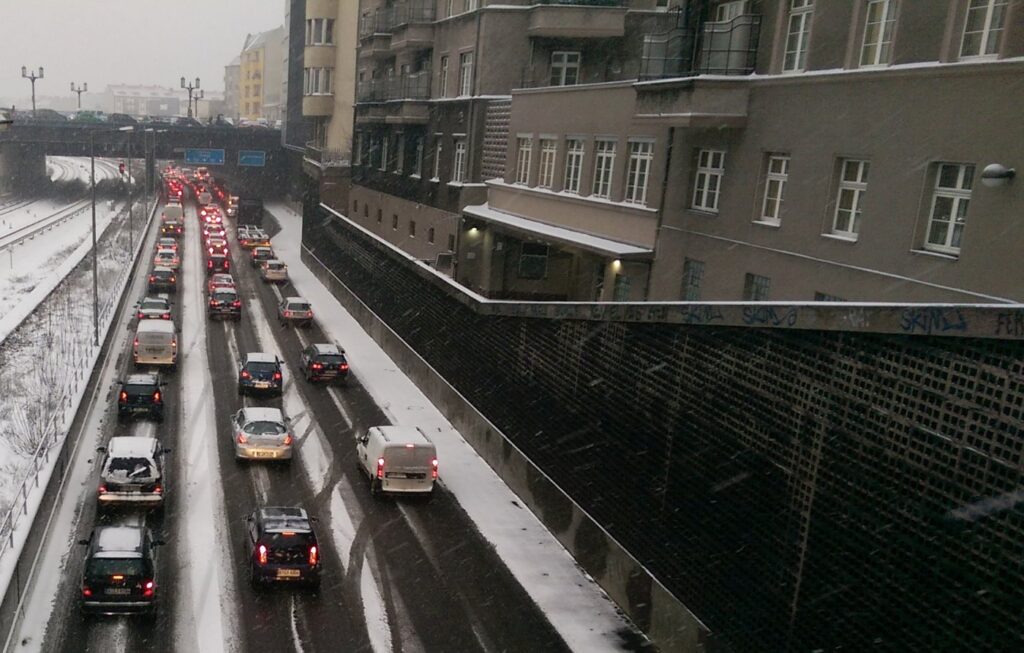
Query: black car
{"points": [[282, 547], [323, 362], [120, 570], [172, 229], [217, 263], [260, 372], [140, 394], [226, 303], [163, 279], [183, 121]]}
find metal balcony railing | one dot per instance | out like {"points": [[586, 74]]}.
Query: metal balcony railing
{"points": [[583, 3], [415, 86], [717, 48], [385, 20]]}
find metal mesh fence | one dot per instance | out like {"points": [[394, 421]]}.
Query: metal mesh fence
{"points": [[796, 489]]}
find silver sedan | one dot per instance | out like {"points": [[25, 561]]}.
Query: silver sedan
{"points": [[261, 434]]}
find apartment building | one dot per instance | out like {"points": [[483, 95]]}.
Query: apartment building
{"points": [[792, 150], [260, 75], [232, 88]]}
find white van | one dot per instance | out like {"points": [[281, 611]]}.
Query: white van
{"points": [[156, 343], [398, 459], [172, 214]]}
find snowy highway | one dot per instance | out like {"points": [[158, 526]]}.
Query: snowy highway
{"points": [[398, 575]]}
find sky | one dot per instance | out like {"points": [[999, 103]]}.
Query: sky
{"points": [[125, 41]]}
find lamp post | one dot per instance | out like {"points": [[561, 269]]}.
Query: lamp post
{"points": [[131, 237], [199, 96], [189, 87], [32, 76], [95, 282], [84, 88]]}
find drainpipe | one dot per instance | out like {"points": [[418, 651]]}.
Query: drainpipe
{"points": [[661, 207]]}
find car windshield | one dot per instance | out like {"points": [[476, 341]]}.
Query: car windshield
{"points": [[261, 367], [100, 567], [225, 296], [275, 266], [263, 427], [134, 389], [130, 467], [298, 306], [153, 305], [331, 359]]}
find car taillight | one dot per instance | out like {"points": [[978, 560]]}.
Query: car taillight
{"points": [[172, 278], [124, 396], [433, 471], [288, 439], [209, 265], [317, 366], [148, 588], [242, 439], [152, 277], [156, 396], [287, 313], [139, 315], [344, 366], [167, 316], [136, 343], [380, 468], [237, 303], [86, 592], [313, 555], [158, 490], [277, 376], [102, 489], [245, 374], [174, 343], [262, 554]]}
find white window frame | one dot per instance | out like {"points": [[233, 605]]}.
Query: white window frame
{"points": [[878, 52], [988, 32], [548, 154], [727, 11], [707, 182], [318, 30], [798, 35], [562, 66], [524, 152], [604, 167], [641, 156], [775, 179], [384, 153], [846, 222], [466, 74], [960, 197], [438, 152], [442, 81], [459, 163], [575, 150]]}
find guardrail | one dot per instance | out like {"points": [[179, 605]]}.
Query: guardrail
{"points": [[30, 231]]}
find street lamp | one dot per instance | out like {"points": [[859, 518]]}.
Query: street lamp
{"points": [[84, 88], [32, 77], [189, 87], [131, 237], [199, 96]]}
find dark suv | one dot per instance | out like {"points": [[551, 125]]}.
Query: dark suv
{"points": [[225, 303], [260, 372], [163, 279], [120, 570], [322, 362], [140, 395], [282, 547], [217, 263]]}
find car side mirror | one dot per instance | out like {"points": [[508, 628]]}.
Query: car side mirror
{"points": [[84, 542], [159, 543], [167, 450], [101, 449], [314, 519]]}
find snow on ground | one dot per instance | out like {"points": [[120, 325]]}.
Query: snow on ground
{"points": [[70, 168], [577, 607]]}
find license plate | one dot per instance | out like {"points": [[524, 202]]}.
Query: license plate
{"points": [[288, 573], [262, 384], [260, 453], [396, 475], [118, 591], [152, 350]]}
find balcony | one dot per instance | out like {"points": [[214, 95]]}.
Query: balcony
{"points": [[693, 102], [722, 48], [317, 105], [577, 19], [396, 100], [412, 25]]}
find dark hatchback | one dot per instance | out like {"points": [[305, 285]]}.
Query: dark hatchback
{"points": [[282, 547], [163, 279], [224, 303], [140, 395], [120, 570], [324, 362], [260, 373], [217, 263]]}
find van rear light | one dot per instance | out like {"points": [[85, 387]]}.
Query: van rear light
{"points": [[136, 343], [242, 439], [140, 316], [167, 316], [86, 592], [152, 277], [148, 588], [288, 439], [380, 468], [102, 489], [433, 470], [156, 396], [313, 555], [124, 397], [261, 552]]}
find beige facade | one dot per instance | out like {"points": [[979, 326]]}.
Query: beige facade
{"points": [[232, 88], [329, 74], [260, 76]]}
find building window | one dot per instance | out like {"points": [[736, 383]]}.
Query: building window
{"points": [[358, 158], [756, 287], [438, 151], [384, 152], [853, 183], [877, 48], [380, 214], [466, 73], [620, 292], [533, 261], [418, 169], [708, 182], [355, 207], [394, 221], [729, 10], [565, 68], [442, 78], [400, 154], [524, 146], [430, 235], [316, 81], [604, 166], [412, 228], [693, 274], [472, 5], [776, 175], [459, 167], [320, 31], [949, 207], [641, 154], [983, 27], [548, 150], [573, 164], [451, 242], [451, 8], [798, 34]]}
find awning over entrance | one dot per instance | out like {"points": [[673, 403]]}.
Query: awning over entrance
{"points": [[560, 235]]}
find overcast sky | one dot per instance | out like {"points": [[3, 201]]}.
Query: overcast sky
{"points": [[125, 41]]}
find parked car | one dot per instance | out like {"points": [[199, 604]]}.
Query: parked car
{"points": [[282, 547], [295, 310], [163, 279], [154, 308], [120, 574], [398, 459], [274, 271], [132, 474], [261, 434], [224, 303], [260, 372], [324, 362], [140, 394], [121, 119]]}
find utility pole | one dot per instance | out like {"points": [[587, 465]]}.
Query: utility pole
{"points": [[84, 88], [95, 253], [189, 87], [131, 237], [32, 77]]}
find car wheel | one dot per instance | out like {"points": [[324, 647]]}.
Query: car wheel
{"points": [[376, 490]]}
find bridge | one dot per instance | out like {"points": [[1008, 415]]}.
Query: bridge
{"points": [[24, 147]]}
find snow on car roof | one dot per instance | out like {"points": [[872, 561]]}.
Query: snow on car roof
{"points": [[142, 378], [296, 299], [260, 357], [285, 519], [131, 446], [404, 434], [156, 326], [119, 538], [325, 348], [260, 414]]}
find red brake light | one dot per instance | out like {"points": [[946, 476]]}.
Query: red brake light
{"points": [[380, 468], [242, 439], [152, 277], [209, 264], [245, 374], [262, 552], [288, 439], [344, 366], [124, 396], [167, 316], [313, 554], [433, 471], [136, 343], [277, 376], [237, 303], [139, 315], [156, 396], [148, 588], [86, 592], [158, 490], [102, 489], [317, 366]]}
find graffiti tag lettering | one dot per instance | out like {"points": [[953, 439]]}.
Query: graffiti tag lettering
{"points": [[769, 315], [933, 320]]}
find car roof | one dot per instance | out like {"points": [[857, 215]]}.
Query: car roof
{"points": [[225, 290], [156, 298], [161, 268], [222, 276], [142, 378], [155, 326], [404, 434], [279, 518], [296, 299], [118, 539], [260, 357], [327, 348], [131, 446], [261, 414], [275, 260]]}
